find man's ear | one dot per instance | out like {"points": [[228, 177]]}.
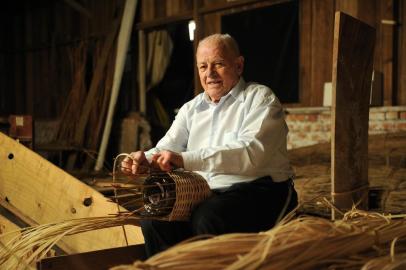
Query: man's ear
{"points": [[239, 64]]}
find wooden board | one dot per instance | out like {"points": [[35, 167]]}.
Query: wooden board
{"points": [[101, 259], [7, 229], [352, 74], [44, 193], [401, 83]]}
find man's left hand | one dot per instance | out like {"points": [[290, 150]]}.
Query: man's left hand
{"points": [[168, 160]]}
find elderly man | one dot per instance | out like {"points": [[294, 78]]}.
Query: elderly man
{"points": [[234, 135]]}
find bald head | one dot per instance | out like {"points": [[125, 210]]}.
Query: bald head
{"points": [[224, 41]]}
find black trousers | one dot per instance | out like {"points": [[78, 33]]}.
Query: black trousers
{"points": [[244, 207]]}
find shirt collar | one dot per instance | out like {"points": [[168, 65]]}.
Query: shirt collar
{"points": [[237, 92]]}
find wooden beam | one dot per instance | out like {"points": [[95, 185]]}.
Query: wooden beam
{"points": [[305, 51], [8, 230], [198, 35], [44, 193], [387, 41], [101, 259], [353, 50], [321, 48], [142, 73], [78, 7], [401, 82], [165, 20]]}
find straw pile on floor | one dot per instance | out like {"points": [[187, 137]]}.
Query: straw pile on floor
{"points": [[301, 243], [387, 188], [35, 243], [386, 174]]}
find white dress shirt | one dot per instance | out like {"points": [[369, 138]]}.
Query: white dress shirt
{"points": [[239, 139]]}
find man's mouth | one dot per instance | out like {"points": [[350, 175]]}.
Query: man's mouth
{"points": [[213, 82]]}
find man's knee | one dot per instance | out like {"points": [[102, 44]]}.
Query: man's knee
{"points": [[206, 220], [147, 227]]}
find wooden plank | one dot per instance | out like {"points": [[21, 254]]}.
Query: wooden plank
{"points": [[147, 10], [102, 259], [401, 83], [352, 74], [388, 34], [305, 54], [44, 193], [29, 68], [321, 46], [8, 230], [142, 65]]}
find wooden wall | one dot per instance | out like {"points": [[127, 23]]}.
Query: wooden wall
{"points": [[36, 72], [36, 68], [316, 37]]}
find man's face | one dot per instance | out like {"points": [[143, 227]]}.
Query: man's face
{"points": [[219, 70]]}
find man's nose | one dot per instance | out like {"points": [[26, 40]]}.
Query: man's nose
{"points": [[211, 71]]}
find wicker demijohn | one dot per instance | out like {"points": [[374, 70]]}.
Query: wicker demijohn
{"points": [[172, 196]]}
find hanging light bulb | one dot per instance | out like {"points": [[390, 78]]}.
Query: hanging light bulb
{"points": [[192, 27]]}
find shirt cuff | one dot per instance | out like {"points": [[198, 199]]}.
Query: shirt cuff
{"points": [[192, 160], [150, 153]]}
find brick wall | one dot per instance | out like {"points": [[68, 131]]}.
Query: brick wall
{"points": [[309, 126]]}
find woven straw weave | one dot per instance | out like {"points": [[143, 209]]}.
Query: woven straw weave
{"points": [[191, 189]]}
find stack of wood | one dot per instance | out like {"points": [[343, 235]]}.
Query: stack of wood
{"points": [[387, 175], [85, 111]]}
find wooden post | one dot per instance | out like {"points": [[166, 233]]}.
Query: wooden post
{"points": [[352, 75], [142, 88]]}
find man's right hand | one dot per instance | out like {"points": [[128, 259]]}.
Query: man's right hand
{"points": [[136, 164]]}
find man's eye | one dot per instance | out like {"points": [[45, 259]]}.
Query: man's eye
{"points": [[202, 67]]}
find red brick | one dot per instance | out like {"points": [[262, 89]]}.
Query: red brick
{"points": [[312, 117], [401, 125], [324, 116], [388, 126], [402, 115], [296, 117]]}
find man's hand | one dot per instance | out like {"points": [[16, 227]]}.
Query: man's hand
{"points": [[168, 161], [137, 164]]}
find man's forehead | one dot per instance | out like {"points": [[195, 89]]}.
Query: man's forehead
{"points": [[211, 52]]}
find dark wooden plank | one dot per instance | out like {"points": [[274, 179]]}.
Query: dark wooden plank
{"points": [[147, 10], [387, 15], [101, 259], [305, 32], [321, 46], [401, 83], [29, 68], [198, 35], [352, 74]]}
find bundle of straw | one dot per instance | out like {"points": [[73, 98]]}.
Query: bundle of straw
{"points": [[311, 191], [395, 201], [389, 262], [34, 243], [301, 243]]}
